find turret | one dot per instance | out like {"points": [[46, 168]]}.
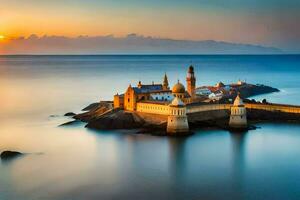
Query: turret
{"points": [[191, 81], [166, 83], [177, 119], [238, 115]]}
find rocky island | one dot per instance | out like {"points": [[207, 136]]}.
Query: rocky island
{"points": [[157, 109]]}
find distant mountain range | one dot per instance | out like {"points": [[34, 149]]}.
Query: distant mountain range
{"points": [[131, 44]]}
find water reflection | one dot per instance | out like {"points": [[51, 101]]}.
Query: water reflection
{"points": [[81, 164], [178, 162], [238, 160]]}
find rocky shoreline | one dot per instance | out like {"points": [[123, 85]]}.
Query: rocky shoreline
{"points": [[9, 155], [101, 116], [249, 90]]}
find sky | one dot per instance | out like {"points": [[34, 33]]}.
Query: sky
{"points": [[263, 22]]}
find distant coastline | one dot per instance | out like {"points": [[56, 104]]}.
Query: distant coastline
{"points": [[131, 44], [150, 55]]}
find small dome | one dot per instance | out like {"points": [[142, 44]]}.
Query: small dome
{"points": [[178, 88], [238, 101], [177, 102]]}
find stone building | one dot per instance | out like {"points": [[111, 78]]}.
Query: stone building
{"points": [[118, 101], [155, 93]]}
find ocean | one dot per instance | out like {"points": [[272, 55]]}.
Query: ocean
{"points": [[77, 163]]}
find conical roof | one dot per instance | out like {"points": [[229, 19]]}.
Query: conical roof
{"points": [[177, 102], [238, 101], [166, 82]]}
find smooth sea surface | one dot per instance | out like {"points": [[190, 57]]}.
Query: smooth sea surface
{"points": [[72, 163]]}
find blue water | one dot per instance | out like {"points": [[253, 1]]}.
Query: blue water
{"points": [[77, 163]]}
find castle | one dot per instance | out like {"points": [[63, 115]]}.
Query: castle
{"points": [[156, 93], [160, 99]]}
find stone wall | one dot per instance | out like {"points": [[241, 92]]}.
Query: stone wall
{"points": [[274, 107], [162, 109], [214, 111], [208, 115], [203, 108]]}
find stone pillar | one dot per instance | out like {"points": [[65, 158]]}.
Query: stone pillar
{"points": [[177, 119], [238, 114]]}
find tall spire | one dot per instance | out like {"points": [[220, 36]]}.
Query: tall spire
{"points": [[166, 83]]}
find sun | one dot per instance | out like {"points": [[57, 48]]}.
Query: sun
{"points": [[2, 37]]}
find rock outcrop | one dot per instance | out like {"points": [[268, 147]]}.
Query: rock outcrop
{"points": [[92, 114], [249, 90], [7, 155], [116, 119], [91, 106], [69, 114]]}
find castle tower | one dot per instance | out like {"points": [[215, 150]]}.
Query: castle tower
{"points": [[177, 119], [166, 83], [191, 81], [238, 115]]}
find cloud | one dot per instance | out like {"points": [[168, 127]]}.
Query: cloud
{"points": [[131, 44]]}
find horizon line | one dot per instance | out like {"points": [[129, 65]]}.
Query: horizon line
{"points": [[160, 54]]}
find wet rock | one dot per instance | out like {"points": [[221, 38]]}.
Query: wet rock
{"points": [[69, 114], [116, 119], [92, 114], [7, 155], [91, 107], [74, 122]]}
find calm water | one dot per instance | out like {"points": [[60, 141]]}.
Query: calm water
{"points": [[76, 163]]}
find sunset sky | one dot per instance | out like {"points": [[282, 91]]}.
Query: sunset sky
{"points": [[265, 22]]}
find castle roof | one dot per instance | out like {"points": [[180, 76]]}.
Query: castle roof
{"points": [[147, 88]]}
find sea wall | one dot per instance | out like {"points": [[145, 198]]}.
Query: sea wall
{"points": [[208, 115], [273, 107]]}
